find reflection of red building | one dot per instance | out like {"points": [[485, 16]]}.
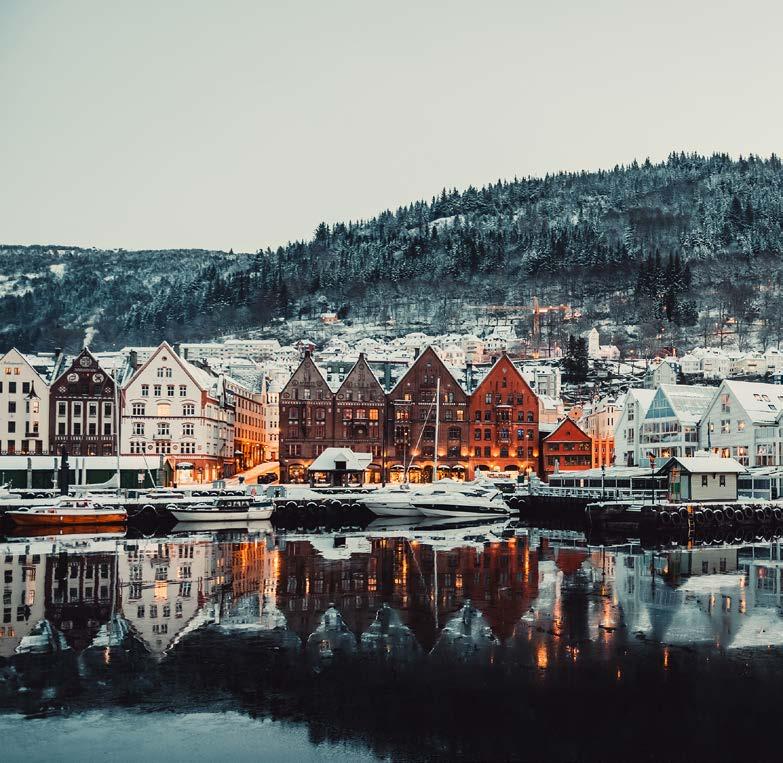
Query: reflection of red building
{"points": [[501, 580], [504, 421], [567, 449], [79, 596]]}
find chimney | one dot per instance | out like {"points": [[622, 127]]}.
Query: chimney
{"points": [[133, 359], [469, 375]]}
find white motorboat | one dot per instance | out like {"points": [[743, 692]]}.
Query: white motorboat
{"points": [[225, 509], [402, 500], [392, 501], [467, 503]]}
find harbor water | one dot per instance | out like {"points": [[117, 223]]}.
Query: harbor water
{"points": [[400, 641]]}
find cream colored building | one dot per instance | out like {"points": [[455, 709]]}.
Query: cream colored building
{"points": [[173, 408], [24, 406]]}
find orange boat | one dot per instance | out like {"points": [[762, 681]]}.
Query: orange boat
{"points": [[68, 511]]}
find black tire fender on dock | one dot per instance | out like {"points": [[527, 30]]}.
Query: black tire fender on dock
{"points": [[676, 518], [748, 512], [698, 518], [720, 517], [664, 517], [777, 512]]}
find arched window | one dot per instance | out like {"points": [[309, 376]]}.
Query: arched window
{"points": [[455, 433], [429, 433]]}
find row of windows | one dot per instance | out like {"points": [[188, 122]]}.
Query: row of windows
{"points": [[157, 390], [77, 410], [163, 428], [506, 415], [503, 453], [12, 387], [162, 409], [504, 434], [78, 431], [137, 447]]}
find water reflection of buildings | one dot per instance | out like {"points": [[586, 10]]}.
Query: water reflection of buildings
{"points": [[80, 590], [22, 568], [423, 583], [164, 584]]}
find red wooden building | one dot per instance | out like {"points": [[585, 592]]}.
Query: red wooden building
{"points": [[360, 415], [567, 449], [306, 420], [504, 421], [411, 412]]}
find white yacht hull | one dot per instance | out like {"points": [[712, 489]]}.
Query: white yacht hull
{"points": [[393, 509], [450, 511], [207, 515]]}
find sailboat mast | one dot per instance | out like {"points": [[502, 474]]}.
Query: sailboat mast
{"points": [[437, 428], [117, 419]]}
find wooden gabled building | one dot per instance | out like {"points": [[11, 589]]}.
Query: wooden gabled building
{"points": [[567, 449], [410, 416], [306, 420], [83, 409], [360, 415], [504, 414]]}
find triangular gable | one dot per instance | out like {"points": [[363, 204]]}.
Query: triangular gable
{"points": [[502, 362], [428, 354], [14, 355], [568, 427], [75, 364], [307, 372], [165, 346], [361, 376]]}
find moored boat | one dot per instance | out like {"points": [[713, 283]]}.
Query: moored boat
{"points": [[468, 503], [68, 511], [225, 509]]}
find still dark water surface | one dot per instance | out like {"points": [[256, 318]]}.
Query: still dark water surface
{"points": [[406, 642]]}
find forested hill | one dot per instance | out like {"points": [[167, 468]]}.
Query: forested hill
{"points": [[639, 245]]}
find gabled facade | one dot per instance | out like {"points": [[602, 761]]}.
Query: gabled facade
{"points": [[306, 420], [24, 406], [671, 424], [410, 417], [175, 409], [741, 422], [82, 409], [360, 415], [503, 416], [567, 449], [627, 447]]}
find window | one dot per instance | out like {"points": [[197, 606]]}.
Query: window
{"points": [[487, 451], [183, 390], [488, 398], [189, 409], [487, 434], [77, 427], [187, 429], [11, 426], [61, 409], [170, 390], [136, 447], [145, 390], [188, 448], [138, 409], [12, 387], [138, 428], [722, 480], [704, 480], [92, 410], [477, 452], [477, 434], [156, 390], [164, 428], [11, 406], [61, 427]]}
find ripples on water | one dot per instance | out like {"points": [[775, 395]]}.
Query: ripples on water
{"points": [[407, 643]]}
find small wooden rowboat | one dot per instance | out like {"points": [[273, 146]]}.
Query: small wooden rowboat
{"points": [[68, 511]]}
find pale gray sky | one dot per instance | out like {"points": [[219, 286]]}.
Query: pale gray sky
{"points": [[244, 123]]}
